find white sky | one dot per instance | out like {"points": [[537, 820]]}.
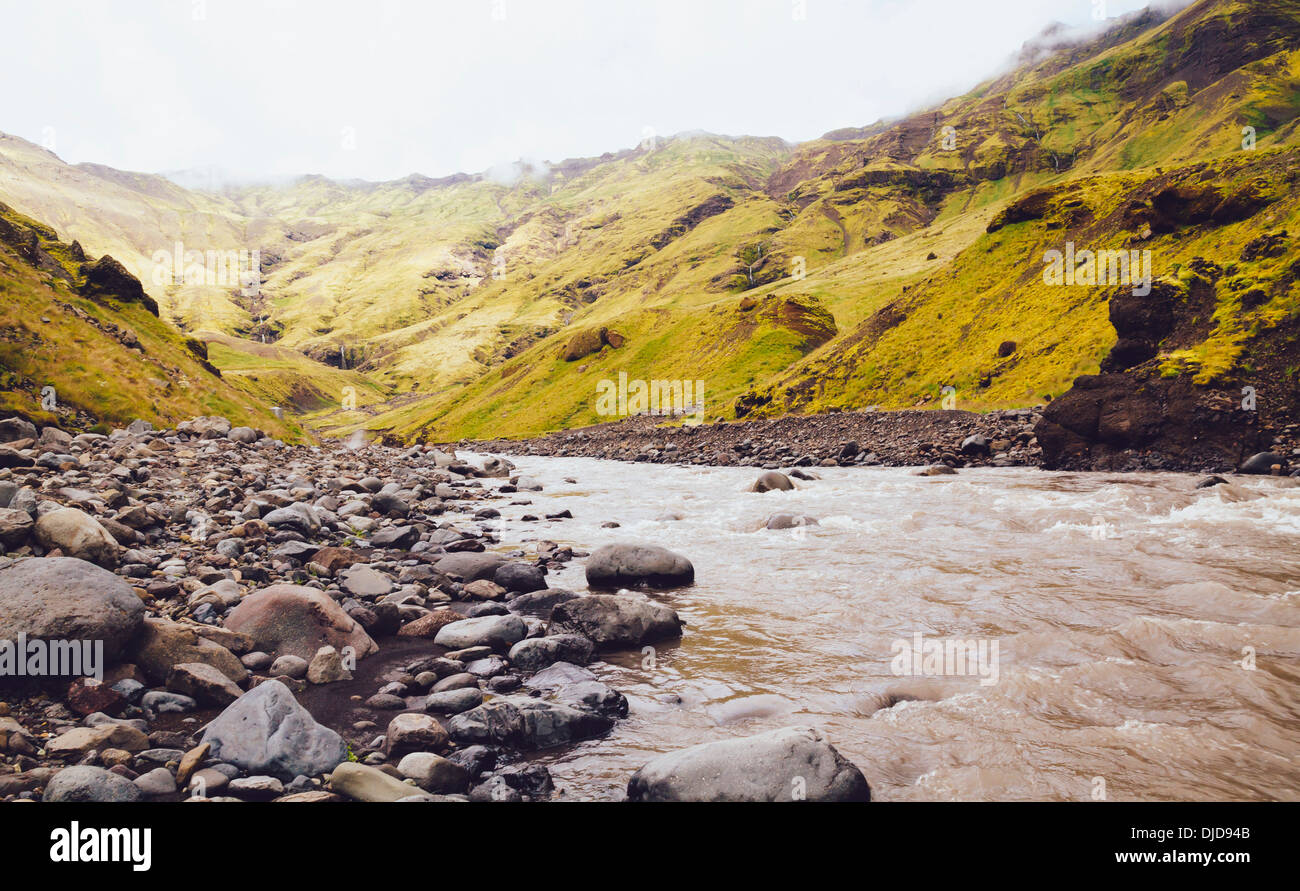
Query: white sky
{"points": [[275, 87]]}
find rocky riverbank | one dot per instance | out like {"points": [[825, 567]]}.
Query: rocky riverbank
{"points": [[841, 439], [274, 622]]}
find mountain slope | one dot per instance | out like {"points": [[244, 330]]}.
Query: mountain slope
{"points": [[871, 267], [81, 344]]}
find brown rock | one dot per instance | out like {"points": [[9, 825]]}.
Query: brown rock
{"points": [[316, 796], [80, 740], [485, 590], [204, 683], [85, 697], [291, 620], [427, 626], [162, 644], [333, 559], [190, 762]]}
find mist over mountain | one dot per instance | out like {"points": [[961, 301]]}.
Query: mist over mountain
{"points": [[875, 266]]}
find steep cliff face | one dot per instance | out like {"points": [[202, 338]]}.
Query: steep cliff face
{"points": [[1205, 370]]}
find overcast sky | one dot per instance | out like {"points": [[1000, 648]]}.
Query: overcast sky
{"points": [[377, 89]]}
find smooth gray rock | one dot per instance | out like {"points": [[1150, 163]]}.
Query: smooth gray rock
{"points": [[593, 696], [453, 702], [470, 567], [626, 565], [64, 598], [266, 731], [520, 578], [561, 674], [156, 783], [790, 764], [90, 784], [789, 521], [498, 632]]}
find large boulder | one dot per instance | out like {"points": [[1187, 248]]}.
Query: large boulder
{"points": [[625, 565], [790, 764], [296, 621], [90, 784], [14, 429], [63, 598], [536, 653], [470, 567], [162, 644], [520, 578], [266, 731], [616, 621], [1263, 462], [526, 723], [77, 534], [498, 632], [772, 481]]}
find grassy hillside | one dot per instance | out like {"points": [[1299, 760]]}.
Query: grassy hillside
{"points": [[66, 324], [869, 267]]}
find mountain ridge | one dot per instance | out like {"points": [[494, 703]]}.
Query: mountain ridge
{"points": [[712, 257]]}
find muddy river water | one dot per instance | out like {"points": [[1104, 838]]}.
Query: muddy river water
{"points": [[1128, 636]]}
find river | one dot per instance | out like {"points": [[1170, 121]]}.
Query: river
{"points": [[1146, 633]]}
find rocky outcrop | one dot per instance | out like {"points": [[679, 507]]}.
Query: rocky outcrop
{"points": [[1134, 416], [107, 278], [592, 340]]}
